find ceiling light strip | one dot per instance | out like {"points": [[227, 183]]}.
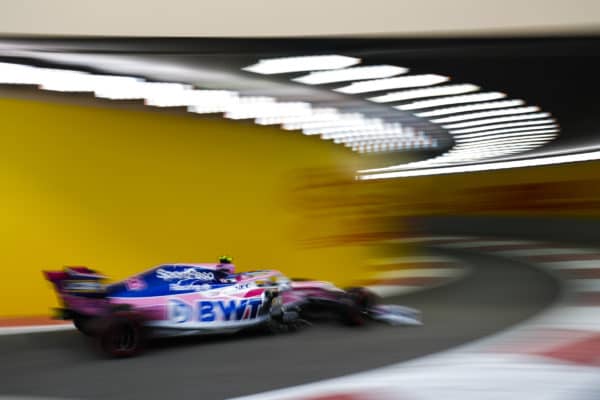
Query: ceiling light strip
{"points": [[402, 82], [471, 98], [300, 64], [351, 74], [491, 166], [421, 93], [497, 120], [486, 114], [475, 107], [506, 135], [502, 141], [507, 130], [500, 126]]}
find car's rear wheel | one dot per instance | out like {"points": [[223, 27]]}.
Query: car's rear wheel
{"points": [[122, 335], [83, 325]]}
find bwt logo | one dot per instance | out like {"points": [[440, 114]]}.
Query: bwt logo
{"points": [[235, 310], [214, 310]]}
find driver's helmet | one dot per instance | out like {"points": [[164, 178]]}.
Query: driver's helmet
{"points": [[226, 264], [225, 260]]}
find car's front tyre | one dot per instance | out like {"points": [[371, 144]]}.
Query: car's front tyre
{"points": [[356, 303]]}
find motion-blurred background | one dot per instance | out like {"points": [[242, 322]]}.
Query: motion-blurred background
{"points": [[325, 140]]}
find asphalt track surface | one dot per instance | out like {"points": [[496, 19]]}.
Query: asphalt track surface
{"points": [[497, 294]]}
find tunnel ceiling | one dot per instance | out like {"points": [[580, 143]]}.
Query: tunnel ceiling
{"points": [[457, 104]]}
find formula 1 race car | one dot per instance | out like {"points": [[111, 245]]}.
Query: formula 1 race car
{"points": [[183, 299]]}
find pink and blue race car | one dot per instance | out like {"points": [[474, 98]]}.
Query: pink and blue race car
{"points": [[183, 299]]}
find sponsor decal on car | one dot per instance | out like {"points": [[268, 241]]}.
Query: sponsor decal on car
{"points": [[179, 311], [188, 273], [82, 286], [213, 310], [228, 310], [136, 283], [243, 286], [186, 286]]}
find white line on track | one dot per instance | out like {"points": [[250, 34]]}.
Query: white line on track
{"points": [[18, 330], [570, 318]]}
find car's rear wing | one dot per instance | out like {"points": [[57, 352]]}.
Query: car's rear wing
{"points": [[80, 290], [76, 280]]}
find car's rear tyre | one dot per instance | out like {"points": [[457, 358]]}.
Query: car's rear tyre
{"points": [[122, 335], [83, 325]]}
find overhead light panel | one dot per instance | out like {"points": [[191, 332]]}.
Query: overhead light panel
{"points": [[530, 162], [299, 64], [365, 124], [385, 128], [471, 98], [507, 135], [501, 126], [139, 90], [486, 114], [337, 120], [19, 74], [267, 109], [469, 108], [351, 74], [356, 139], [496, 141], [402, 82], [493, 148], [518, 130], [497, 120], [74, 81], [181, 98], [316, 114], [479, 156], [429, 92], [491, 152]]}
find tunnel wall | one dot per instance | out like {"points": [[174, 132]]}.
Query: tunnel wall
{"points": [[557, 203], [123, 190], [570, 190]]}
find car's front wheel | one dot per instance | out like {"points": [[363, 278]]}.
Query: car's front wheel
{"points": [[356, 303]]}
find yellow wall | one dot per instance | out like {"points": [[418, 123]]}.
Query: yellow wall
{"points": [[560, 190], [122, 190]]}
